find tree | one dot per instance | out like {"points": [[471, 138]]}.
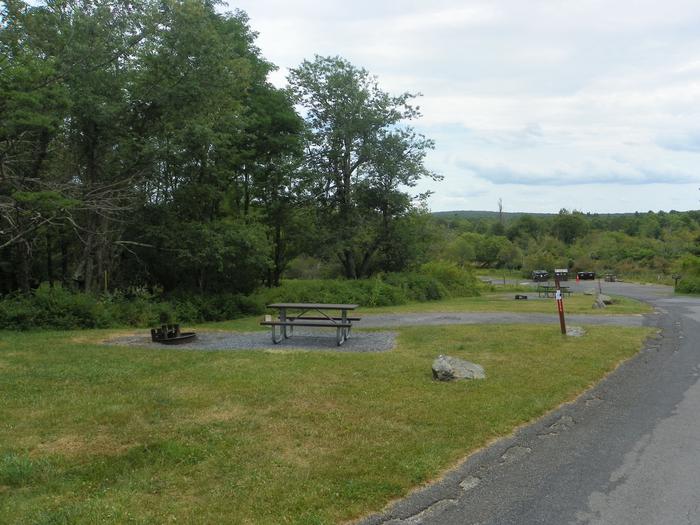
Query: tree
{"points": [[568, 227], [360, 154], [31, 110]]}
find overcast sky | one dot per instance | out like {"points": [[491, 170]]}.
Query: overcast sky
{"points": [[583, 104]]}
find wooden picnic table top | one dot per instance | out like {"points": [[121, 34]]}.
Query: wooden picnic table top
{"points": [[315, 306]]}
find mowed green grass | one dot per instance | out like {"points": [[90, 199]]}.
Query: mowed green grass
{"points": [[505, 302], [103, 434]]}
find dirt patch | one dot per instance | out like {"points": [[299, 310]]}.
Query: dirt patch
{"points": [[73, 446], [218, 414]]}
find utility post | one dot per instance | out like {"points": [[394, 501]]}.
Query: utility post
{"points": [[560, 305]]}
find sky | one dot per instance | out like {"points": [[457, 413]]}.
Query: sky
{"points": [[587, 105]]}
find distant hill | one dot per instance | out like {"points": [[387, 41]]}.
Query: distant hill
{"points": [[474, 214], [508, 216]]}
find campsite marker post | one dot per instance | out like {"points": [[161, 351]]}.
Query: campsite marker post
{"points": [[560, 306]]}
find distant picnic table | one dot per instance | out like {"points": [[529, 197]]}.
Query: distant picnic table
{"points": [[314, 315], [549, 290]]}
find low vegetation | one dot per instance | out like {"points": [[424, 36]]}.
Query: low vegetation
{"points": [[59, 308], [91, 433]]}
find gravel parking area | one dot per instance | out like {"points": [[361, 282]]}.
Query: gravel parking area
{"points": [[302, 340]]}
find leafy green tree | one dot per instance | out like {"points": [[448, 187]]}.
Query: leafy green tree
{"points": [[360, 155], [461, 250], [567, 226], [524, 228], [32, 109]]}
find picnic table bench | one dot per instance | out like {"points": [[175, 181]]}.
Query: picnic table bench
{"points": [[548, 290], [285, 323]]}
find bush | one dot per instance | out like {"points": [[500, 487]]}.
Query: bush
{"points": [[368, 292], [458, 281], [53, 308], [417, 286], [219, 307], [57, 308], [689, 285]]}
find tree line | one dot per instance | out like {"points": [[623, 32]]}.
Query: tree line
{"points": [[633, 245], [141, 144]]}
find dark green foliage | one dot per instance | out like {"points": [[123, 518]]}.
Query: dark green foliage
{"points": [[214, 307], [689, 285], [689, 270], [57, 308], [418, 286], [361, 157], [212, 257], [365, 292], [142, 145], [648, 246]]}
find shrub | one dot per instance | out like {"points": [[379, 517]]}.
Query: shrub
{"points": [[458, 281], [689, 285], [417, 286], [57, 308], [218, 307], [368, 292], [54, 308]]}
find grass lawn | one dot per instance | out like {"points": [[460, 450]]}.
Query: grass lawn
{"points": [[505, 302], [104, 434]]}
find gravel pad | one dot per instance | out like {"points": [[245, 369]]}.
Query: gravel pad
{"points": [[303, 340]]}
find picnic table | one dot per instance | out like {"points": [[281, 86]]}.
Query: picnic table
{"points": [[317, 315], [547, 290]]}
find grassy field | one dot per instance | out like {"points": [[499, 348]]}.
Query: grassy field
{"points": [[505, 302], [104, 434]]}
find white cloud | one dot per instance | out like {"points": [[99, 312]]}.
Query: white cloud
{"points": [[455, 17], [535, 92]]}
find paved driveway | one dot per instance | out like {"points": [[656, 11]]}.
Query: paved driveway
{"points": [[627, 452]]}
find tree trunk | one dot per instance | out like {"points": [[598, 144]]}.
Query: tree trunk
{"points": [[88, 263], [347, 259], [49, 258], [64, 261], [246, 192], [23, 266], [278, 256]]}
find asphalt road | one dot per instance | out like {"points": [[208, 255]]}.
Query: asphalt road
{"points": [[626, 452]]}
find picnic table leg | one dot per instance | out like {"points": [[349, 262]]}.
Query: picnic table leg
{"points": [[340, 335], [275, 339], [283, 318], [344, 317]]}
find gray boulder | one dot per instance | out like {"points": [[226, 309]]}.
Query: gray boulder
{"points": [[446, 368], [602, 300], [606, 298]]}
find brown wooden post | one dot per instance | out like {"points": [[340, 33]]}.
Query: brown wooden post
{"points": [[560, 305]]}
